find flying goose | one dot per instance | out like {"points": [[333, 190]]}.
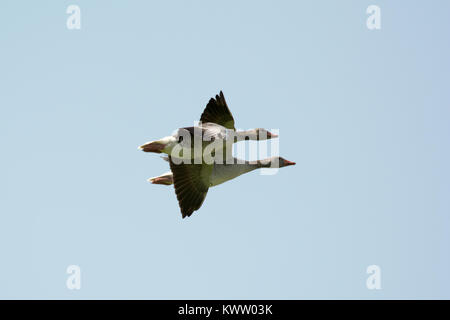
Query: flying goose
{"points": [[224, 172], [192, 181], [216, 125]]}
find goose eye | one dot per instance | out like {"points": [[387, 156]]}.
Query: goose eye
{"points": [[180, 139]]}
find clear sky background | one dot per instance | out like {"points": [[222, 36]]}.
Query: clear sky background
{"points": [[364, 113]]}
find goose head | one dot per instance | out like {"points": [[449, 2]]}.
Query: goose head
{"points": [[275, 162], [263, 134], [256, 134], [284, 163]]}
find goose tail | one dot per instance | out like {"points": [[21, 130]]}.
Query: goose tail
{"points": [[165, 179]]}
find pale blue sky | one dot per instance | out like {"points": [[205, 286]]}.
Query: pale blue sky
{"points": [[365, 114]]}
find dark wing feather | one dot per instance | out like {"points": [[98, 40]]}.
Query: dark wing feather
{"points": [[191, 182], [217, 111]]}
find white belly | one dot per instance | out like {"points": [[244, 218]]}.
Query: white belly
{"points": [[223, 172]]}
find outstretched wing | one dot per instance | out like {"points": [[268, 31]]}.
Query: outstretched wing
{"points": [[191, 182], [217, 111]]}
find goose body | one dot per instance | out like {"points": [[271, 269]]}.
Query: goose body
{"points": [[214, 135], [224, 172]]}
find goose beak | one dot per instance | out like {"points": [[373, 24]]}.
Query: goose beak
{"points": [[153, 146], [271, 135], [289, 163]]}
